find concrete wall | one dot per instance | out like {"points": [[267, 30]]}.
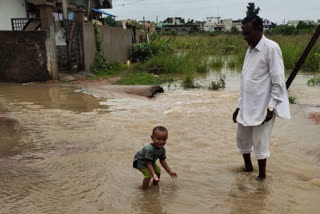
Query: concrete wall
{"points": [[89, 45], [27, 56], [11, 9], [116, 43]]}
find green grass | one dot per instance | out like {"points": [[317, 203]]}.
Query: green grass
{"points": [[292, 47], [188, 82], [140, 78], [112, 69], [314, 81], [189, 55], [217, 62]]}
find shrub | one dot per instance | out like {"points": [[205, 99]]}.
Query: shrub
{"points": [[314, 81], [285, 30], [160, 46], [292, 100], [215, 85], [312, 62], [188, 82], [140, 52]]}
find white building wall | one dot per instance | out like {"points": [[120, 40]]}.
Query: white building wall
{"points": [[227, 24], [11, 9], [237, 25], [211, 22]]}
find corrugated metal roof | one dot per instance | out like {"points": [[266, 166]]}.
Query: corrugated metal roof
{"points": [[103, 12]]}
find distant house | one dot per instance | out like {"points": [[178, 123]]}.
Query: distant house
{"points": [[200, 25], [92, 3], [211, 23], [149, 27], [217, 24], [237, 24], [267, 25], [92, 7], [174, 21], [177, 24]]}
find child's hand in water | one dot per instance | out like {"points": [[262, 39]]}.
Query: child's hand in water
{"points": [[173, 175], [155, 177]]}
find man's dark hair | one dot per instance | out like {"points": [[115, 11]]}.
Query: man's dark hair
{"points": [[160, 128], [256, 21]]}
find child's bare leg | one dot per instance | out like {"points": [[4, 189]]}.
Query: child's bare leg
{"points": [[156, 182], [145, 183]]}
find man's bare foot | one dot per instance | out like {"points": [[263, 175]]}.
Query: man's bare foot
{"points": [[260, 178], [247, 169]]}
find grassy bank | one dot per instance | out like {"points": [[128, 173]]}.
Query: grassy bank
{"points": [[292, 47], [169, 56]]}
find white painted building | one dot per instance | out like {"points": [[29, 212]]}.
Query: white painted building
{"points": [[215, 23], [211, 23], [267, 24], [227, 24], [11, 9], [237, 24]]}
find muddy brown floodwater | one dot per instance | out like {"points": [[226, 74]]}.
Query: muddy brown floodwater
{"points": [[64, 150]]}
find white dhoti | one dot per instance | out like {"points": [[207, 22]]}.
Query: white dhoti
{"points": [[255, 138]]}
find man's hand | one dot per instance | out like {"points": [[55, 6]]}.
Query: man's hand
{"points": [[269, 116], [235, 114]]}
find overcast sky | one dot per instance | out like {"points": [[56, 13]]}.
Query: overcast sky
{"points": [[275, 10]]}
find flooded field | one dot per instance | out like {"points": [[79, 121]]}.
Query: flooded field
{"points": [[64, 151]]}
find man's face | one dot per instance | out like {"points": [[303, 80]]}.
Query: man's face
{"points": [[159, 138], [250, 35]]}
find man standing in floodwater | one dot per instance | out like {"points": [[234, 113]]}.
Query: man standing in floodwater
{"points": [[263, 95]]}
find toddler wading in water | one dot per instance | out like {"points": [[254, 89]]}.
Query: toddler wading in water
{"points": [[145, 159]]}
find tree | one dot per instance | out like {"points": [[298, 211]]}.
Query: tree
{"points": [[305, 26], [251, 10], [110, 21]]}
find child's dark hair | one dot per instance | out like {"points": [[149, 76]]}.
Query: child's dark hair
{"points": [[159, 128]]}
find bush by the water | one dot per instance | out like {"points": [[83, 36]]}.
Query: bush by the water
{"points": [[314, 81], [292, 100], [140, 52], [188, 82], [215, 85]]}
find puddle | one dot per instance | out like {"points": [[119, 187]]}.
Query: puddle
{"points": [[43, 97]]}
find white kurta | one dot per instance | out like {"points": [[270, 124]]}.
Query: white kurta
{"points": [[262, 84]]}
